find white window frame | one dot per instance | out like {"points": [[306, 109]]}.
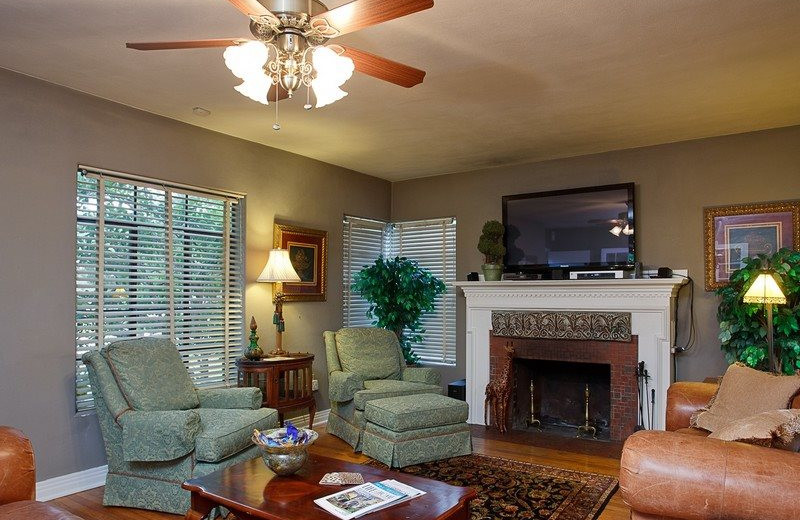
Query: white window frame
{"points": [[416, 240], [217, 325]]}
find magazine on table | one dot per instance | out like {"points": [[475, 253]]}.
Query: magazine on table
{"points": [[367, 498]]}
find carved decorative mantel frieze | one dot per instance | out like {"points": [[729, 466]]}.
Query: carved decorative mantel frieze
{"points": [[587, 326]]}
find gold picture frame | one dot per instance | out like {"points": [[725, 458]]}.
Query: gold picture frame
{"points": [[732, 233], [308, 252]]}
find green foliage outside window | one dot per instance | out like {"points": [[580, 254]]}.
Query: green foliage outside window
{"points": [[399, 293], [743, 327]]}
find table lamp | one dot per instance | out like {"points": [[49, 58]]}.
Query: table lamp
{"points": [[765, 290], [278, 269]]}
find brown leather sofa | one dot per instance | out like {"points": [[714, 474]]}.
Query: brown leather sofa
{"points": [[18, 481], [681, 474]]}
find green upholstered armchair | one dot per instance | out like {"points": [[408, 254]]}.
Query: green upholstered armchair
{"points": [[159, 430], [366, 364]]}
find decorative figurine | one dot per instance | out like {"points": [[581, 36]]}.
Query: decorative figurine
{"points": [[498, 393], [253, 351]]}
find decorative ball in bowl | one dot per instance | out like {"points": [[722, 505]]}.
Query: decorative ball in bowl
{"points": [[285, 450]]}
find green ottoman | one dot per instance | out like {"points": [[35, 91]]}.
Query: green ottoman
{"points": [[412, 429]]}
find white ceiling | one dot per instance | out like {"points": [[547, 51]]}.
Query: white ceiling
{"points": [[509, 81]]}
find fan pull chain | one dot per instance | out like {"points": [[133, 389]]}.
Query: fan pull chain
{"points": [[277, 125]]}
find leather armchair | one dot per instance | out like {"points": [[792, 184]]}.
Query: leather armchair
{"points": [[18, 481], [682, 474], [366, 363], [159, 430]]}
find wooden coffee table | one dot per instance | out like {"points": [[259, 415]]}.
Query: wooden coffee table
{"points": [[251, 491]]}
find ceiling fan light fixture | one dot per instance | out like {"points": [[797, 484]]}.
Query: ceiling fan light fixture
{"points": [[627, 230], [246, 60], [326, 93], [333, 71], [255, 88]]}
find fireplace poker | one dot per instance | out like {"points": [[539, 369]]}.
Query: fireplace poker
{"points": [[652, 407], [640, 391], [647, 393]]}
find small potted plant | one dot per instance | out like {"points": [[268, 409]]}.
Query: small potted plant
{"points": [[491, 245]]}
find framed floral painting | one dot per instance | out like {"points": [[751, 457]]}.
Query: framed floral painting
{"points": [[308, 252], [733, 233]]}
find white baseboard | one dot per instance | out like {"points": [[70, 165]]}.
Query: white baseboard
{"points": [[64, 485], [320, 418], [91, 478]]}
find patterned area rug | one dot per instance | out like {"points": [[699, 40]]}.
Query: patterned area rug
{"points": [[511, 489]]}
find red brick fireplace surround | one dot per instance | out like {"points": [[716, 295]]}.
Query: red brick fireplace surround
{"points": [[621, 356]]}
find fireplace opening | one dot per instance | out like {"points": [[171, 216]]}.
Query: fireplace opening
{"points": [[559, 391]]}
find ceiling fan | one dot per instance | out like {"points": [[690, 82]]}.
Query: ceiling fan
{"points": [[290, 52]]}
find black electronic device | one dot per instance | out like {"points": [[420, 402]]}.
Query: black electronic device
{"points": [[473, 277], [458, 390], [664, 272], [583, 228]]}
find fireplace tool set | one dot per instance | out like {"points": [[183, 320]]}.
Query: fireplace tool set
{"points": [[647, 398]]}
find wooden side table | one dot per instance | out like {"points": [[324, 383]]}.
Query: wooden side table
{"points": [[285, 382]]}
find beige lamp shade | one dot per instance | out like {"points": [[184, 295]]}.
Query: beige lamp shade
{"points": [[279, 268], [765, 289]]}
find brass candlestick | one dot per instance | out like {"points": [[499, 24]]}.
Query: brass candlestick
{"points": [[532, 420], [586, 427]]}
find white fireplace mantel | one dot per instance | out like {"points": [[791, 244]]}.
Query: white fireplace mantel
{"points": [[651, 303]]}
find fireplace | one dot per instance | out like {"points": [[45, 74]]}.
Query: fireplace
{"points": [[592, 349], [649, 303], [558, 392]]}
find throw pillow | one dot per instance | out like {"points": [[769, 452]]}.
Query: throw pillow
{"points": [[744, 392], [775, 429], [371, 353]]}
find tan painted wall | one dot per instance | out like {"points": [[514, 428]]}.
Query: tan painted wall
{"points": [[673, 183], [45, 131]]}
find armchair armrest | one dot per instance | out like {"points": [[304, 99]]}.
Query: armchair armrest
{"points": [[342, 386], [248, 398], [684, 399], [158, 436], [674, 475], [17, 466], [421, 375]]}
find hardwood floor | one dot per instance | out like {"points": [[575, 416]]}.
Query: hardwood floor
{"points": [[582, 456]]}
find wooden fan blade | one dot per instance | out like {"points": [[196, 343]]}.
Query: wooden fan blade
{"points": [[251, 7], [363, 13], [189, 44], [384, 69], [282, 94]]}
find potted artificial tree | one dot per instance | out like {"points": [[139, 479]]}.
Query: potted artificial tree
{"points": [[743, 326], [399, 292], [491, 245]]}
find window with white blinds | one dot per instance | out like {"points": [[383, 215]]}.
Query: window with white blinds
{"points": [[158, 260], [432, 243], [363, 243]]}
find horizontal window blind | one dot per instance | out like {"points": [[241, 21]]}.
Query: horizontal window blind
{"points": [[363, 243], [432, 243], [156, 260]]}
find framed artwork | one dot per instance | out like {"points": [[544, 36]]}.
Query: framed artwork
{"points": [[733, 233], [308, 252]]}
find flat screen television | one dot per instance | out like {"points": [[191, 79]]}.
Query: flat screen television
{"points": [[576, 228]]}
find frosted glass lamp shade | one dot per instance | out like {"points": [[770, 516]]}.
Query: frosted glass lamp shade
{"points": [[765, 289], [279, 268]]}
